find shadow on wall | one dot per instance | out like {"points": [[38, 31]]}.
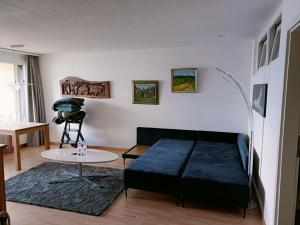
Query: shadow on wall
{"points": [[257, 179]]}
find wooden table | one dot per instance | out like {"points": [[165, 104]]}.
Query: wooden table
{"points": [[2, 182], [15, 129]]}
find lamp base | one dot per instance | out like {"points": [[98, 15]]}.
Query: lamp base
{"points": [[252, 204]]}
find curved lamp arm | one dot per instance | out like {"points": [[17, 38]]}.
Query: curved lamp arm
{"points": [[236, 84], [242, 92]]}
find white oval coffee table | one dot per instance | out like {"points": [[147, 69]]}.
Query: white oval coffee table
{"points": [[69, 155]]}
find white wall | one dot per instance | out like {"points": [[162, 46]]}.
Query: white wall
{"points": [[291, 9], [268, 130], [112, 122], [267, 140]]}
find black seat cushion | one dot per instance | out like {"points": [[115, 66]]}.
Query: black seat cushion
{"points": [[160, 168], [214, 173]]}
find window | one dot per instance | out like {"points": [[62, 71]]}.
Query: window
{"points": [[275, 41], [22, 93], [262, 52], [12, 97]]}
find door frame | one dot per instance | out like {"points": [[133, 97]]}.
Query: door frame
{"points": [[288, 162]]}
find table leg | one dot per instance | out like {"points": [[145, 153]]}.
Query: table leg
{"points": [[46, 137], [17, 155], [9, 144], [78, 176], [2, 184]]}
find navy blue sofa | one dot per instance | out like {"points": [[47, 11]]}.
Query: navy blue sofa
{"points": [[159, 169], [210, 166]]}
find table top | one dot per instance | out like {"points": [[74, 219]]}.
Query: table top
{"points": [[70, 155], [13, 126]]}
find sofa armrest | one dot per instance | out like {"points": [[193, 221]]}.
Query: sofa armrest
{"points": [[242, 142]]}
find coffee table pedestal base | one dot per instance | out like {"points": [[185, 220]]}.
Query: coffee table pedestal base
{"points": [[74, 176]]}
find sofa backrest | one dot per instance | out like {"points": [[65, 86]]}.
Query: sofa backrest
{"points": [[214, 136], [243, 143], [149, 136]]}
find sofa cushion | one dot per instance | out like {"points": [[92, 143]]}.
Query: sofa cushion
{"points": [[160, 168], [214, 172]]}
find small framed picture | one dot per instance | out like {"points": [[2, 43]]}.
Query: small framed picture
{"points": [[145, 92], [184, 80], [259, 102]]}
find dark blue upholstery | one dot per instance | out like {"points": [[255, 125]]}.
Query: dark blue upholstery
{"points": [[214, 170], [213, 136], [214, 173], [243, 148], [160, 168], [149, 136]]}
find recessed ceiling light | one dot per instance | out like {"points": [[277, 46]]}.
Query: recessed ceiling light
{"points": [[17, 46]]}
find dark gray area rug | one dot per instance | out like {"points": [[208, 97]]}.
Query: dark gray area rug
{"points": [[34, 187]]}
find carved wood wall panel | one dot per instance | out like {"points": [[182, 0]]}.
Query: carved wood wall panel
{"points": [[73, 86]]}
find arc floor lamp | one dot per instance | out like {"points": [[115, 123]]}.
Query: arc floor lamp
{"points": [[228, 77]]}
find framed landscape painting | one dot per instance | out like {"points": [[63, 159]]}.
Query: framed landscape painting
{"points": [[145, 92], [259, 102], [184, 80]]}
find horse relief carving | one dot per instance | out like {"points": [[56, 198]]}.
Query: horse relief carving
{"points": [[73, 86]]}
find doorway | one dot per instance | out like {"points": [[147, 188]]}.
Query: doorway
{"points": [[288, 172], [296, 41]]}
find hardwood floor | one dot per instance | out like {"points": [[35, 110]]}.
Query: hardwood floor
{"points": [[140, 208]]}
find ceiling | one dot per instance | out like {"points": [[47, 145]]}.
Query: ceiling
{"points": [[55, 26]]}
